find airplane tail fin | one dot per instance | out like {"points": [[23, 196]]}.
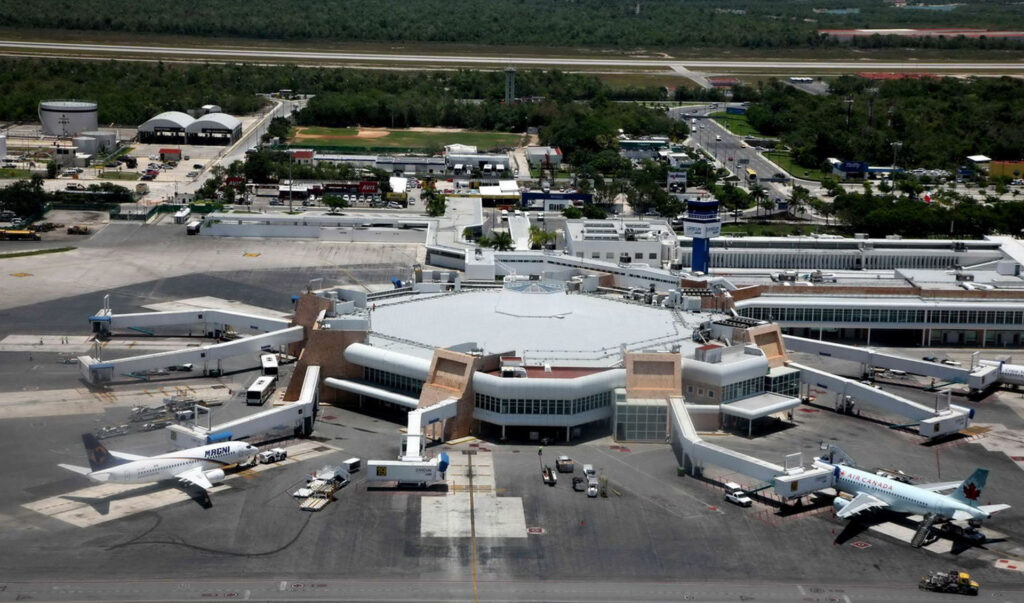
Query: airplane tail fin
{"points": [[970, 490], [99, 457]]}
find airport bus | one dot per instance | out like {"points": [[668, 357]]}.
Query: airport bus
{"points": [[268, 362], [192, 228], [751, 175], [261, 389]]}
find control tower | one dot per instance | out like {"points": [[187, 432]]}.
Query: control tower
{"points": [[701, 223]]}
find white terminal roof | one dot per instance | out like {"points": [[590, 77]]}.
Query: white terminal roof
{"points": [[575, 329], [215, 121], [167, 119]]}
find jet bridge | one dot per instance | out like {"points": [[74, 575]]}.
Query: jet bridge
{"points": [[978, 379], [96, 371], [296, 418], [204, 321], [943, 419], [692, 453], [414, 439]]}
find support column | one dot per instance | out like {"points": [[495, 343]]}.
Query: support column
{"points": [[984, 336], [750, 427], [503, 432], [820, 331], [869, 337], [924, 340], [567, 428]]}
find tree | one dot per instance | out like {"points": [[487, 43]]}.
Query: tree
{"points": [[798, 200], [51, 169], [334, 202], [758, 196], [540, 238], [500, 240], [436, 203], [594, 212], [572, 212]]}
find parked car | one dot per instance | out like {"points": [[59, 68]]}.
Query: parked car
{"points": [[929, 358]]}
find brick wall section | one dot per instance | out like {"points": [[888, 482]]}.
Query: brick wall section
{"points": [[307, 308], [451, 376], [746, 293]]}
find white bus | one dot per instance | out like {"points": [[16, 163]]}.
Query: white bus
{"points": [[261, 389], [269, 364]]}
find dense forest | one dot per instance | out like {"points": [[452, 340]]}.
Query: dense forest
{"points": [[593, 23], [937, 121], [130, 93], [949, 214]]}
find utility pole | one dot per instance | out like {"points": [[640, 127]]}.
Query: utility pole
{"points": [[895, 149], [849, 109]]}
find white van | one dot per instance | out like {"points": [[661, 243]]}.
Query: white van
{"points": [[504, 215], [588, 471]]}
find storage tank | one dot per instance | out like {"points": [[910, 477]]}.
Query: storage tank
{"points": [[105, 141], [67, 118], [85, 144]]}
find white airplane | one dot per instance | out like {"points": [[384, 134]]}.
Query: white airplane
{"points": [[202, 466], [874, 492]]}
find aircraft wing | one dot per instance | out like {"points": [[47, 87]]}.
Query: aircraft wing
{"points": [[124, 456], [860, 503], [940, 486], [76, 469], [195, 477]]}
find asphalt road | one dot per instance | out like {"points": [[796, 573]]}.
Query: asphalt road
{"points": [[71, 50]]}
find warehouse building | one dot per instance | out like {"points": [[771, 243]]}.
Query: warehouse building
{"points": [[167, 127], [214, 129]]}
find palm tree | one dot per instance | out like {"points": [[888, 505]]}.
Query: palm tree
{"points": [[758, 196], [501, 240]]}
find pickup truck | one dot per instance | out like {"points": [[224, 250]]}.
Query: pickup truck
{"points": [[736, 495]]}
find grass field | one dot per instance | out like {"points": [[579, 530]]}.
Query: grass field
{"points": [[21, 254], [386, 139], [14, 173], [119, 175], [797, 171], [737, 124]]}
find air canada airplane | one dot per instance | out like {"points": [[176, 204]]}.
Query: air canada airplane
{"points": [[202, 466], [873, 492]]}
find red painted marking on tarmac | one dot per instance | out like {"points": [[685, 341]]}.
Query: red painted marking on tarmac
{"points": [[624, 449], [712, 508], [860, 544], [808, 410], [1017, 458]]}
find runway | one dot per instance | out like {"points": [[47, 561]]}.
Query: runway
{"points": [[76, 50]]}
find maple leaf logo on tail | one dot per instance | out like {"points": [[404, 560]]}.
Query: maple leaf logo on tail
{"points": [[971, 492]]}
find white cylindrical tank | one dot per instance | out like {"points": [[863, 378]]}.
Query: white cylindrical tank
{"points": [[85, 144], [67, 118], [105, 141]]}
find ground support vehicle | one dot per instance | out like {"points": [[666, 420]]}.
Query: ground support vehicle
{"points": [[953, 581]]}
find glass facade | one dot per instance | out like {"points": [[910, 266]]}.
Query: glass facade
{"points": [[517, 406], [742, 389], [886, 315], [787, 384], [641, 422], [393, 381]]}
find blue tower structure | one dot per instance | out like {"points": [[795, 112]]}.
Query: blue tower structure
{"points": [[701, 223]]}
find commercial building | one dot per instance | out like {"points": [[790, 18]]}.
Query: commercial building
{"points": [[647, 147], [621, 241], [544, 157], [167, 127]]}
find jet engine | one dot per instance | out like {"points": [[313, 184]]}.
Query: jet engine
{"points": [[214, 475], [839, 503]]}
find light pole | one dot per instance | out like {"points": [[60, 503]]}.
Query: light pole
{"points": [[895, 149], [291, 183]]}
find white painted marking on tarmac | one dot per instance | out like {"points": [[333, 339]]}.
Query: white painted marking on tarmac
{"points": [[450, 516], [105, 502], [283, 585]]}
